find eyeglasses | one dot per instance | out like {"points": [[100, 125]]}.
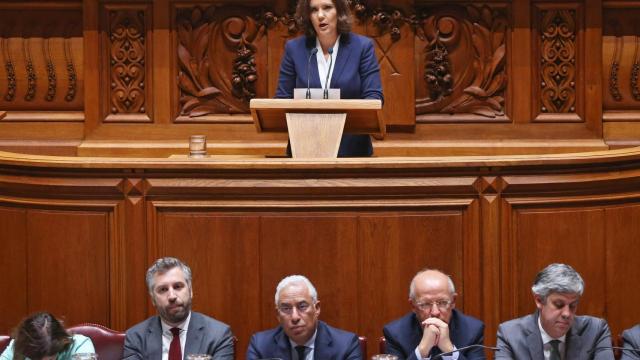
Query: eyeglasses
{"points": [[442, 305], [287, 309]]}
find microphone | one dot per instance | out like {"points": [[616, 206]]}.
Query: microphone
{"points": [[326, 82], [600, 348], [463, 349], [313, 52]]}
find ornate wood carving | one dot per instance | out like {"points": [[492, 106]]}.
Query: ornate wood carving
{"points": [[71, 70], [208, 82], [10, 69], [465, 59], [614, 89], [386, 19], [127, 61], [635, 70], [51, 70], [558, 61], [31, 73]]}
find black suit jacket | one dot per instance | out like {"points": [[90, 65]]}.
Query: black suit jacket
{"points": [[404, 335], [331, 344], [204, 336]]}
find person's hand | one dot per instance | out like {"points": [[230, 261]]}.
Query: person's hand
{"points": [[444, 341], [430, 335]]}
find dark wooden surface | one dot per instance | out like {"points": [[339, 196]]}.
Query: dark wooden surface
{"points": [[78, 234]]}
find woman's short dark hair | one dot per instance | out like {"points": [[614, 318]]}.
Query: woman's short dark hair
{"points": [[40, 335], [303, 14]]}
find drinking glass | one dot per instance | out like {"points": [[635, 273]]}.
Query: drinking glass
{"points": [[84, 356], [198, 357]]}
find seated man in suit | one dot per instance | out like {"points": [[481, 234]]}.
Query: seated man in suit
{"points": [[176, 331], [631, 338], [434, 326], [554, 332], [300, 335]]}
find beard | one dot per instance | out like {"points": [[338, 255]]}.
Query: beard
{"points": [[176, 315]]}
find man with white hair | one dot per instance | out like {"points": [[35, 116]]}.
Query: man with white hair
{"points": [[434, 327], [300, 335], [554, 332]]}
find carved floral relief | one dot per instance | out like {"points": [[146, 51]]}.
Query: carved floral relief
{"points": [[127, 61], [216, 59], [558, 61], [465, 60]]}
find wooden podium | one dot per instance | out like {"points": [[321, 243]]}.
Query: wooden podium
{"points": [[315, 126]]}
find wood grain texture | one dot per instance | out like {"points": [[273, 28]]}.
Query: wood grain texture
{"points": [[483, 50]]}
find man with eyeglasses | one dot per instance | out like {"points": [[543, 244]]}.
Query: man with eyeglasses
{"points": [[434, 326], [554, 332], [300, 335]]}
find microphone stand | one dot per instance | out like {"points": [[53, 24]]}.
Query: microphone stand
{"points": [[326, 82]]}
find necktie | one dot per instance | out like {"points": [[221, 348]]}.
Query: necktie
{"points": [[555, 351], [175, 352], [301, 350]]}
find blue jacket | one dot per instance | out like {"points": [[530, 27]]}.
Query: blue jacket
{"points": [[355, 72], [403, 336], [331, 344]]}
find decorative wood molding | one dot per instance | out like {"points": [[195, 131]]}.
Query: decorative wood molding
{"points": [[9, 68], [31, 73], [558, 52], [475, 82], [206, 85], [614, 89], [127, 50]]}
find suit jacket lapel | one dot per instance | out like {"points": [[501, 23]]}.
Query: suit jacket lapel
{"points": [[282, 344], [154, 339], [574, 342], [323, 349], [194, 335], [534, 339], [344, 52], [314, 81]]}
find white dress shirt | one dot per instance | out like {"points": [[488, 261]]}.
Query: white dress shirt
{"points": [[323, 63], [310, 344], [546, 338], [167, 336]]}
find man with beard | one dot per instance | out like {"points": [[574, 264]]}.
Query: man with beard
{"points": [[434, 326], [176, 330], [301, 336], [554, 332]]}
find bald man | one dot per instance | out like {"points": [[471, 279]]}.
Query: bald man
{"points": [[434, 326]]}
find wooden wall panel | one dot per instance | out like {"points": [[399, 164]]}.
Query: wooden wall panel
{"points": [[42, 61], [68, 264], [13, 263], [223, 253], [622, 275], [392, 248], [359, 229], [545, 235], [323, 248]]}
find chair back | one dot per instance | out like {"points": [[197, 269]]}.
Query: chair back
{"points": [[109, 344], [382, 345], [4, 342], [363, 346]]}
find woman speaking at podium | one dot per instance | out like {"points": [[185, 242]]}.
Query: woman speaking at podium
{"points": [[330, 52]]}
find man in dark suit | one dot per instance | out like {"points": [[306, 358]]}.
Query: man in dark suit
{"points": [[300, 335], [435, 326], [176, 331], [554, 332], [631, 339]]}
